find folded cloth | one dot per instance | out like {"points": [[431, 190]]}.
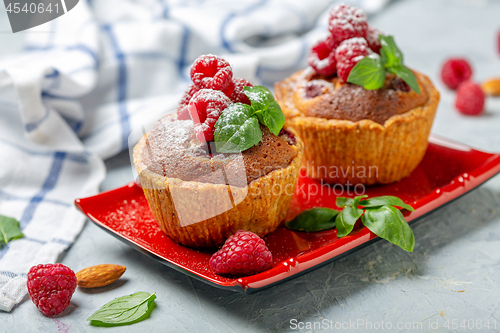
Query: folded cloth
{"points": [[89, 78]]}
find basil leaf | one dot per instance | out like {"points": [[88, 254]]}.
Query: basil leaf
{"points": [[9, 230], [265, 107], [236, 129], [346, 219], [369, 73], [342, 202], [314, 219], [388, 223], [390, 53], [385, 200], [407, 76], [124, 310]]}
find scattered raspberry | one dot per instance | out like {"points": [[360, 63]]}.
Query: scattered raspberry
{"points": [[182, 109], [235, 91], [205, 108], [50, 287], [322, 57], [346, 22], [455, 71], [498, 42], [348, 54], [244, 253], [372, 37], [470, 98], [211, 72]]}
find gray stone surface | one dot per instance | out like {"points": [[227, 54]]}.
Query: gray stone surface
{"points": [[453, 274]]}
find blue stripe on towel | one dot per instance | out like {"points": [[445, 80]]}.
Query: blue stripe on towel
{"points": [[50, 183], [122, 87]]}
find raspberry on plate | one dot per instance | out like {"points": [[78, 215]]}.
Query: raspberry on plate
{"points": [[205, 108], [211, 72], [470, 99], [348, 54], [322, 56], [50, 287], [244, 253], [346, 22], [235, 91], [373, 39], [455, 71], [182, 109]]}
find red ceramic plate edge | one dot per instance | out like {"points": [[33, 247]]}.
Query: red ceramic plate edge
{"points": [[296, 266]]}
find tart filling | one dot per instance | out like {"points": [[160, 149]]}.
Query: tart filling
{"points": [[174, 151]]}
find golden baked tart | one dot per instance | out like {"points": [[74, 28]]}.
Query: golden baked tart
{"points": [[204, 179], [364, 118]]}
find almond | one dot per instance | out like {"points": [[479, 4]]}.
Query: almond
{"points": [[99, 275], [492, 87]]}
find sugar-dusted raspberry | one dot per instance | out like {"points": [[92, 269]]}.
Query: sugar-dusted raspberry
{"points": [[398, 84], [205, 108], [182, 109], [244, 253], [235, 91], [346, 22], [315, 88], [50, 287], [348, 54], [455, 71], [211, 72], [470, 98], [373, 39], [322, 56]]}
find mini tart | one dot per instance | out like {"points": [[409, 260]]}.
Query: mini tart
{"points": [[380, 150], [218, 210]]}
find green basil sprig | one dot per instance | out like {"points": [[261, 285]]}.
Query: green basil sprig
{"points": [[9, 230], [125, 310], [378, 214], [370, 71], [237, 129]]}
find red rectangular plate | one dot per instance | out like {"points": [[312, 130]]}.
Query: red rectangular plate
{"points": [[448, 170]]}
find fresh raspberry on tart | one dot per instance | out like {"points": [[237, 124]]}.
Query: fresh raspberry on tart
{"points": [[211, 72], [348, 54], [346, 22], [322, 56]]}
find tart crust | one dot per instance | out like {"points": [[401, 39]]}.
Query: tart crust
{"points": [[260, 208], [361, 152]]}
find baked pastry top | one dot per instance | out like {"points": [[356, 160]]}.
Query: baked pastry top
{"points": [[314, 95], [173, 151]]}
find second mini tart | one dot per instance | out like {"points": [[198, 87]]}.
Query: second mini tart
{"points": [[358, 151]]}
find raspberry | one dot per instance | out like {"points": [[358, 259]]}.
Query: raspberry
{"points": [[397, 83], [315, 88], [346, 22], [211, 72], [455, 71], [50, 287], [373, 39], [235, 91], [498, 42], [205, 108], [322, 56], [182, 109], [244, 253], [470, 98], [348, 54]]}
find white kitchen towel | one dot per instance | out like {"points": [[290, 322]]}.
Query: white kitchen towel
{"points": [[92, 76]]}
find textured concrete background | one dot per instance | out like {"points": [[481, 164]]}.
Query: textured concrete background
{"points": [[453, 274]]}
